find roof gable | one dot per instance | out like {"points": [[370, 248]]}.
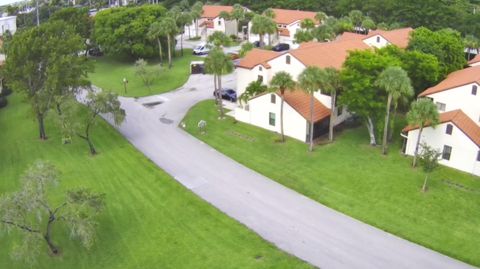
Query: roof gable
{"points": [[397, 37], [455, 79], [210, 11], [256, 57], [459, 119]]}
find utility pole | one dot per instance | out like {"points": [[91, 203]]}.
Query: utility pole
{"points": [[36, 9]]}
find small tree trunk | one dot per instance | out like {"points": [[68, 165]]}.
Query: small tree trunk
{"points": [[48, 235], [281, 116], [417, 146], [160, 53], [196, 27], [189, 32], [220, 101], [260, 41], [371, 131], [424, 187], [385, 128], [169, 52], [181, 44], [90, 145], [311, 123], [392, 122], [41, 127], [333, 116], [58, 108]]}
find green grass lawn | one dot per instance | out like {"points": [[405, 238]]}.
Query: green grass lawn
{"points": [[355, 178], [150, 220], [109, 73]]}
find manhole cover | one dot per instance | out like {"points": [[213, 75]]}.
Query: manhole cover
{"points": [[152, 104], [166, 121], [192, 89]]}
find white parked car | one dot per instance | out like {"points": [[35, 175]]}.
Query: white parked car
{"points": [[201, 49]]}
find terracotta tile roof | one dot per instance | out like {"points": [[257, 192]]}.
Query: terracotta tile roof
{"points": [[211, 12], [398, 37], [462, 121], [328, 54], [287, 16], [300, 101], [475, 60], [256, 57], [283, 31], [208, 24], [455, 79]]}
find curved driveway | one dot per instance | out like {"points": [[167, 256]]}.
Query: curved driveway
{"points": [[291, 221]]}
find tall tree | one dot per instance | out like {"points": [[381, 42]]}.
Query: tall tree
{"points": [[305, 34], [79, 20], [281, 82], [396, 83], [44, 64], [269, 13], [30, 211], [253, 89], [310, 81], [321, 17], [331, 83], [471, 43], [197, 11], [245, 48], [422, 112], [219, 39], [184, 19], [238, 14], [155, 32], [218, 64], [78, 122], [169, 28], [446, 45], [262, 25], [429, 160]]}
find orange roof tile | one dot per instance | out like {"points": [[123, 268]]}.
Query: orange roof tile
{"points": [[328, 54], [462, 121], [300, 101], [287, 16], [283, 31], [475, 60], [208, 24], [256, 57], [455, 79], [398, 37], [211, 12]]}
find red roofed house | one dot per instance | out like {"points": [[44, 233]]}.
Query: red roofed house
{"points": [[458, 134], [211, 22], [288, 22], [475, 61], [380, 38]]}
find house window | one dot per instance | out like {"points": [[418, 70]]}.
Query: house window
{"points": [[288, 59], [260, 68], [447, 152], [449, 129], [247, 107], [260, 78], [378, 39], [271, 119], [339, 111], [474, 89], [219, 22], [478, 156], [441, 106], [273, 98]]}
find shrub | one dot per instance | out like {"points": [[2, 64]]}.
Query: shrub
{"points": [[5, 91], [3, 101]]}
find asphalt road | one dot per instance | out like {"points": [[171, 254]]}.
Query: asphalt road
{"points": [[296, 224]]}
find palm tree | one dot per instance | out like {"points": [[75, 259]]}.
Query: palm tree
{"points": [[330, 83], [263, 25], [183, 20], [269, 13], [320, 16], [155, 32], [253, 89], [197, 11], [218, 64], [356, 17], [368, 24], [219, 39], [422, 112], [396, 83], [323, 33], [238, 14], [226, 17], [471, 42], [244, 49], [309, 81], [281, 82], [169, 28]]}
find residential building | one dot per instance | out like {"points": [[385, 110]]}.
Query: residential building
{"points": [[475, 61], [264, 110], [8, 24], [211, 22], [380, 38], [458, 134], [288, 23]]}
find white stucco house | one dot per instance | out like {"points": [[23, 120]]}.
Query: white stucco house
{"points": [[8, 24], [475, 61], [458, 134], [211, 22], [288, 23], [380, 38], [264, 110]]}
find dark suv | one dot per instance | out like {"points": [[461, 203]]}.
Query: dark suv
{"points": [[281, 47], [228, 94]]}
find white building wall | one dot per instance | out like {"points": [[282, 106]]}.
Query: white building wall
{"points": [[376, 41], [295, 125], [475, 64], [280, 64], [464, 151], [8, 23], [461, 98], [245, 76]]}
